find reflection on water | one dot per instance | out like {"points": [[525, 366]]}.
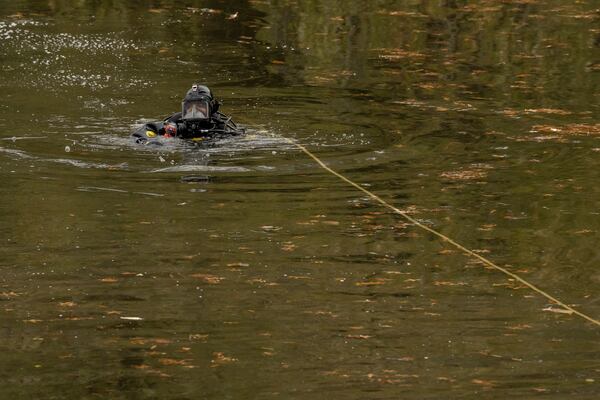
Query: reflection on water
{"points": [[238, 268]]}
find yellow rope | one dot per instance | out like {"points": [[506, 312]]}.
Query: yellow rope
{"points": [[444, 237]]}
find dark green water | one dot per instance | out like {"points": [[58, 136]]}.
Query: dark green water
{"points": [[242, 270]]}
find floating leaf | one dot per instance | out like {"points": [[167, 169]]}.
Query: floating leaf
{"points": [[144, 341], [547, 111], [401, 13], [197, 336], [298, 277], [173, 361], [327, 313], [375, 282], [221, 358], [78, 318], [359, 336], [288, 246], [9, 295], [210, 279], [519, 327], [447, 283], [464, 175], [570, 129], [397, 54], [487, 384], [486, 227], [238, 264]]}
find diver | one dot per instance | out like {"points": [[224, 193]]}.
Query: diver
{"points": [[199, 119]]}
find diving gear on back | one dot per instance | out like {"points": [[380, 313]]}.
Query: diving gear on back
{"points": [[199, 118]]}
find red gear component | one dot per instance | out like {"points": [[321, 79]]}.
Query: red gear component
{"points": [[170, 130]]}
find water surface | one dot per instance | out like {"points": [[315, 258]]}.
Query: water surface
{"points": [[239, 268]]}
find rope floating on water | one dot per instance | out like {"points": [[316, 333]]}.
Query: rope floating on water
{"points": [[442, 236]]}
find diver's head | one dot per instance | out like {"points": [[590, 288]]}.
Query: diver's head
{"points": [[198, 106]]}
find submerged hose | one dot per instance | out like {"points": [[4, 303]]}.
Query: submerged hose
{"points": [[441, 235]]}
